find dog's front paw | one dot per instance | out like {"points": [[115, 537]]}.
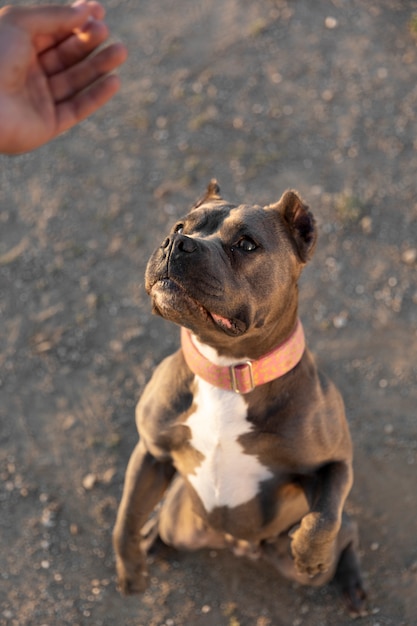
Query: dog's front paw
{"points": [[312, 555], [131, 579]]}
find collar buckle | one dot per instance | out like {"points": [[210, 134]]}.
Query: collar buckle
{"points": [[240, 382]]}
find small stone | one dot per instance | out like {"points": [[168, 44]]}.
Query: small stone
{"points": [[409, 257], [91, 301], [116, 346], [69, 422], [89, 481], [327, 95], [366, 225], [340, 320], [48, 518], [108, 475], [331, 23], [374, 546]]}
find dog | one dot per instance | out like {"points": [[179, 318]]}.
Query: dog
{"points": [[243, 442]]}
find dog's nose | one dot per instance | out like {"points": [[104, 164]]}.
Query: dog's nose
{"points": [[177, 245], [185, 244], [180, 243]]}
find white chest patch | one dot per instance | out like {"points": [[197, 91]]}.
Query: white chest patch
{"points": [[227, 476]]}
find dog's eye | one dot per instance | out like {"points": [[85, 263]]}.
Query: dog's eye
{"points": [[179, 228], [246, 244]]}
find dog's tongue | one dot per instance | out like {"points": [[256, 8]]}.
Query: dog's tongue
{"points": [[222, 321]]}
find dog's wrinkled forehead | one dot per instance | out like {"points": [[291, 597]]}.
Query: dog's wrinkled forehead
{"points": [[208, 218], [226, 221], [211, 212]]}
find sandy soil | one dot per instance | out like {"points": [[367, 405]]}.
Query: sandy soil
{"points": [[320, 96]]}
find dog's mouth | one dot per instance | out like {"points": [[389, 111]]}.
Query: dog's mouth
{"points": [[173, 302]]}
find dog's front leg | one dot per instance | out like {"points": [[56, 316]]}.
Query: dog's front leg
{"points": [[313, 542], [145, 483]]}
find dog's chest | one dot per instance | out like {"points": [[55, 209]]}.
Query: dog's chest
{"points": [[226, 475]]}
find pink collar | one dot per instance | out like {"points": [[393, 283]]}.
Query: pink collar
{"points": [[243, 377]]}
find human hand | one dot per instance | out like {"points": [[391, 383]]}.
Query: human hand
{"points": [[51, 74]]}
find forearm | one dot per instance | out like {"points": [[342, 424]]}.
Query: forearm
{"points": [[333, 486], [313, 541], [146, 481]]}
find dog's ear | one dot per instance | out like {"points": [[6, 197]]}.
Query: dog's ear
{"points": [[300, 222], [212, 193]]}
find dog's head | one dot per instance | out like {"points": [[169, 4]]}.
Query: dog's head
{"points": [[229, 273]]}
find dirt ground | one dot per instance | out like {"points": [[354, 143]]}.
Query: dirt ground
{"points": [[319, 96]]}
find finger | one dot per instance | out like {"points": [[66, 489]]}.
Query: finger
{"points": [[74, 49], [50, 24], [97, 11], [83, 104], [73, 80]]}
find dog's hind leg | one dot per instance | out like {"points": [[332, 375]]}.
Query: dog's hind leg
{"points": [[348, 576]]}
